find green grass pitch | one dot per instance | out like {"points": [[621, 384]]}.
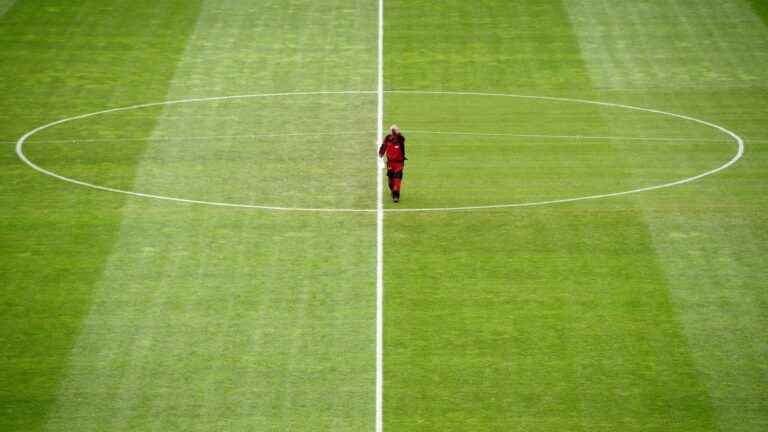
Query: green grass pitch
{"points": [[638, 312]]}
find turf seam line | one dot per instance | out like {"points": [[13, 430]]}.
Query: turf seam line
{"points": [[578, 137], [426, 132], [195, 138]]}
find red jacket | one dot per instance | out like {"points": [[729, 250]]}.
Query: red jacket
{"points": [[394, 147]]}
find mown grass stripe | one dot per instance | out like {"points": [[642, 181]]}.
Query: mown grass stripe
{"points": [[55, 241], [540, 319], [761, 9], [5, 6], [705, 247], [219, 319], [628, 45]]}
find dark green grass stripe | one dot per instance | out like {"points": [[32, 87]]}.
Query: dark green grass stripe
{"points": [[5, 6], [761, 9], [533, 320], [482, 45], [552, 318], [60, 59]]}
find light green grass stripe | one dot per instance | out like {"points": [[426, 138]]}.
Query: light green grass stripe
{"points": [[658, 44], [213, 319]]}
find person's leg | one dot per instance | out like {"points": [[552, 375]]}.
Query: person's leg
{"points": [[396, 190], [397, 178]]}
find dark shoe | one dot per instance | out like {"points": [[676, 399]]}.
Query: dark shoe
{"points": [[396, 199]]}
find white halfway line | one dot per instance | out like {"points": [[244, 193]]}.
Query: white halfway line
{"points": [[380, 229]]}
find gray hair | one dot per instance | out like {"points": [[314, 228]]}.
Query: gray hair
{"points": [[394, 128]]}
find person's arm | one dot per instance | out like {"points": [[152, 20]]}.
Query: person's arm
{"points": [[383, 148], [403, 145]]}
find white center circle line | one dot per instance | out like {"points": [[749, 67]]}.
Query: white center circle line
{"points": [[738, 155]]}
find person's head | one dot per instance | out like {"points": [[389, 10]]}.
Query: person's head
{"points": [[394, 130]]}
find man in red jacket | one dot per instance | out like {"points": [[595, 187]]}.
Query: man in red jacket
{"points": [[394, 147]]}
